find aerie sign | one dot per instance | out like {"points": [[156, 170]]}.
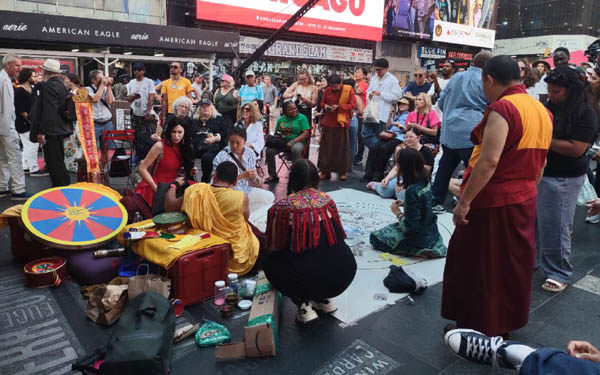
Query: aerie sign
{"points": [[13, 27]]}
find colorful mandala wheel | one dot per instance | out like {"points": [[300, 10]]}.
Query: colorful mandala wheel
{"points": [[73, 217]]}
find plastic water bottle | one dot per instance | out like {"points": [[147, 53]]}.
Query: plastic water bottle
{"points": [[220, 289], [138, 217], [233, 282]]}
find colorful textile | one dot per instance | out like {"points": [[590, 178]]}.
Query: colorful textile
{"points": [[529, 137], [157, 250], [302, 213], [219, 211]]}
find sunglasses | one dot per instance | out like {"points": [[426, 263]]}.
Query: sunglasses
{"points": [[246, 109], [174, 67], [523, 68], [419, 75]]}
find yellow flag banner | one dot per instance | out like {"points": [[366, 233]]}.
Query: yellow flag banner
{"points": [[87, 136]]}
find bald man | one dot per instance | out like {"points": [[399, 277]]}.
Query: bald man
{"points": [[419, 85]]}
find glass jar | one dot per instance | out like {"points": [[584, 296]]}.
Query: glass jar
{"points": [[233, 282], [220, 291]]}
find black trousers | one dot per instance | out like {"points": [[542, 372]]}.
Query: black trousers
{"points": [[378, 158], [451, 157], [317, 274], [361, 146], [206, 162], [54, 155]]}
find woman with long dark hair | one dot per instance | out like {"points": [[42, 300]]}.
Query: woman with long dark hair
{"points": [[173, 153], [24, 98], [416, 232], [575, 124], [308, 260]]}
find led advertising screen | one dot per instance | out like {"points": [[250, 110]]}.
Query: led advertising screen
{"points": [[419, 18], [359, 19]]}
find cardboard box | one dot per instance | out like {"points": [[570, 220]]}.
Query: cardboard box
{"points": [[260, 332]]}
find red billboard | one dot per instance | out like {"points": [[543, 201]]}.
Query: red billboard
{"points": [[339, 18]]}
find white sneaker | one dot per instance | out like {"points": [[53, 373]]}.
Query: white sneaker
{"points": [[305, 314], [592, 219], [327, 306], [438, 209]]}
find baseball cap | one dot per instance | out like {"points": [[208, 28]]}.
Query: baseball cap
{"points": [[139, 66], [249, 73]]}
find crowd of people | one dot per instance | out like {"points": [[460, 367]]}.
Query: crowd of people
{"points": [[524, 133]]}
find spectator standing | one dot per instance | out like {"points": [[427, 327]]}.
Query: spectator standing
{"points": [[561, 56], [385, 90], [24, 98], [73, 150], [173, 88], [304, 93], [575, 125], [120, 87], [362, 86], [199, 87], [140, 95], [353, 131], [463, 102], [419, 85], [11, 163], [334, 152], [102, 96], [541, 88], [250, 91], [489, 266], [52, 128], [270, 98], [438, 84], [226, 100]]}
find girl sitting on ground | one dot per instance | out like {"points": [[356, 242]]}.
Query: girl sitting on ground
{"points": [[416, 232]]}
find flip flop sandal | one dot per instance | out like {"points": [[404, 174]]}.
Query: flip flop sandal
{"points": [[554, 286]]}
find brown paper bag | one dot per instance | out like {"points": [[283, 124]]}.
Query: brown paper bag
{"points": [[107, 302], [141, 283]]}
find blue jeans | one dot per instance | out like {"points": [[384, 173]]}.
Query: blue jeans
{"points": [[451, 157], [99, 130], [353, 137], [370, 132], [547, 361], [556, 201], [390, 190]]}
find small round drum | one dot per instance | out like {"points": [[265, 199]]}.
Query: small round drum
{"points": [[45, 272], [73, 218], [171, 222]]}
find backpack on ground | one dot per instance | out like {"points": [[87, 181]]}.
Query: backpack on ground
{"points": [[141, 342]]}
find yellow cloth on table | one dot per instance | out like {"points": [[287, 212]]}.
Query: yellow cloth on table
{"points": [[393, 258], [219, 211], [14, 211], [157, 251]]}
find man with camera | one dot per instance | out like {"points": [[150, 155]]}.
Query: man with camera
{"points": [[101, 92], [141, 93]]}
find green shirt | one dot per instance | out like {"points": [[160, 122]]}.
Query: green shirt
{"points": [[291, 128]]}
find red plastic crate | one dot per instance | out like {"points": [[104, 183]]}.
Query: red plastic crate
{"points": [[193, 276]]}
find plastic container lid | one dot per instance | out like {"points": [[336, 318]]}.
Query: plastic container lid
{"points": [[244, 304], [232, 276], [220, 284]]}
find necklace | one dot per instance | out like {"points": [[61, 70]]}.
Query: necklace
{"points": [[174, 82]]}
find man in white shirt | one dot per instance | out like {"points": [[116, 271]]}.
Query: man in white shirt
{"points": [[438, 84], [11, 164], [141, 93], [384, 90], [102, 96]]}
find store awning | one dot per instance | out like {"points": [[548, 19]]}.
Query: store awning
{"points": [[49, 28]]}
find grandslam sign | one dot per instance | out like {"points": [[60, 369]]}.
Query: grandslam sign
{"points": [[359, 19]]}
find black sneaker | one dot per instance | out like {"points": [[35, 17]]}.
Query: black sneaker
{"points": [[39, 173], [473, 346], [4, 193], [20, 197], [366, 178]]}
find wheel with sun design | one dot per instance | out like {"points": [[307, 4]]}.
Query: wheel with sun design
{"points": [[73, 218]]}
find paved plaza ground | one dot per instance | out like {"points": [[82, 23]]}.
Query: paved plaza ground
{"points": [[42, 331]]}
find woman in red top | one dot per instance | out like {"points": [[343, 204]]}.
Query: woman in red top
{"points": [[168, 156], [338, 102]]}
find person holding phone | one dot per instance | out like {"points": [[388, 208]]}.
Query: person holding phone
{"points": [[303, 92], [140, 95]]}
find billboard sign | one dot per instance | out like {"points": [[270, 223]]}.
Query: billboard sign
{"points": [[302, 50], [460, 34], [339, 18], [418, 18]]}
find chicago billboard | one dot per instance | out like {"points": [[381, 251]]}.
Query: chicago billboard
{"points": [[338, 18]]}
